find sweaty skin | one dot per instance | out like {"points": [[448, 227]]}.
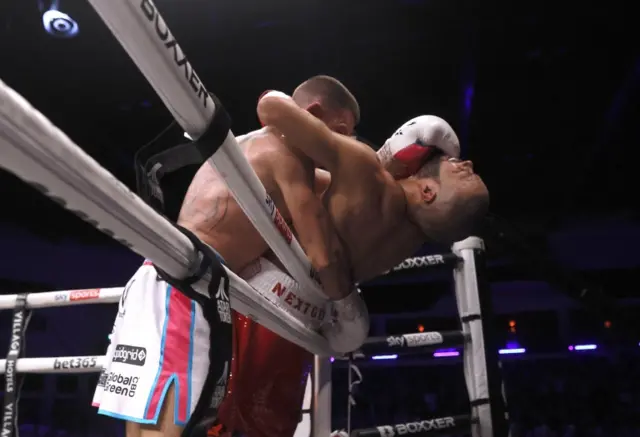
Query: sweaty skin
{"points": [[367, 206], [368, 210], [210, 211], [353, 201], [255, 392]]}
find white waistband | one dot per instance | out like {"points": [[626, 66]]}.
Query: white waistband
{"points": [[284, 291]]}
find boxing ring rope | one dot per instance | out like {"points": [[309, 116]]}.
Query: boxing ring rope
{"points": [[36, 151], [62, 298], [485, 398], [114, 209], [481, 370], [144, 35], [33, 149]]}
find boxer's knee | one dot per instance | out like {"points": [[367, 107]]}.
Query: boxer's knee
{"points": [[165, 427]]}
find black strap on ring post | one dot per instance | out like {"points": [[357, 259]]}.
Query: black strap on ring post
{"points": [[13, 381]]}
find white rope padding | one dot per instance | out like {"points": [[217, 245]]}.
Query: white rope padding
{"points": [[48, 299], [39, 153], [144, 34], [83, 364], [35, 150], [64, 298]]}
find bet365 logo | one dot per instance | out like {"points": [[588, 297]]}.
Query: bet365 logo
{"points": [[75, 363]]}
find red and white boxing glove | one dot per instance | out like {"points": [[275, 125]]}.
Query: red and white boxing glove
{"points": [[415, 142]]}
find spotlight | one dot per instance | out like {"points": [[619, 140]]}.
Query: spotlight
{"points": [[59, 24]]}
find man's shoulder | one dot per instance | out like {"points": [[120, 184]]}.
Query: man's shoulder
{"points": [[258, 144], [265, 151], [356, 153]]}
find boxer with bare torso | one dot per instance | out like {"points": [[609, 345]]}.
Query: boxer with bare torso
{"points": [[437, 197], [158, 356]]}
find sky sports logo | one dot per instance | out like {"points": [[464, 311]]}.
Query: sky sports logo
{"points": [[93, 293], [133, 355]]}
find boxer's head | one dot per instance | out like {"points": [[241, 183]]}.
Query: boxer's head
{"points": [[329, 100], [446, 199]]}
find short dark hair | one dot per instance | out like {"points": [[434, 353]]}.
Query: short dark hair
{"points": [[431, 168], [330, 91]]}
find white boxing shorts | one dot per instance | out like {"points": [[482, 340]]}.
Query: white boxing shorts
{"points": [[282, 290], [160, 337]]}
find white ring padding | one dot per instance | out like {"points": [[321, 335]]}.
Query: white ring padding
{"points": [[64, 298], [36, 151], [48, 299], [84, 364], [144, 35]]}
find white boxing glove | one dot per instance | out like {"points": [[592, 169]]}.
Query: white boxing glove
{"points": [[350, 326], [415, 142]]}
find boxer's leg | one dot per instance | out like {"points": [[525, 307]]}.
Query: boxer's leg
{"points": [[166, 426], [158, 358], [269, 372]]}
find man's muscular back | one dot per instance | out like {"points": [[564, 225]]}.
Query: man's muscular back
{"points": [[211, 212]]}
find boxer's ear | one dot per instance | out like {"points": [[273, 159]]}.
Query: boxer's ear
{"points": [[316, 110], [429, 190]]}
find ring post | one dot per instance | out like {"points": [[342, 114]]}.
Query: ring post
{"points": [[321, 401], [481, 367]]}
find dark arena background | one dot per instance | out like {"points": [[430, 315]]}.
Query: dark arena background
{"points": [[545, 97]]}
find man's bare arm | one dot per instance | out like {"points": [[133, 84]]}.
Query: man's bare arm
{"points": [[302, 130], [314, 228], [322, 182]]}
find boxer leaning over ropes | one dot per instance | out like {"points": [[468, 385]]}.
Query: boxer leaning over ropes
{"points": [[444, 196], [430, 195], [158, 358]]}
